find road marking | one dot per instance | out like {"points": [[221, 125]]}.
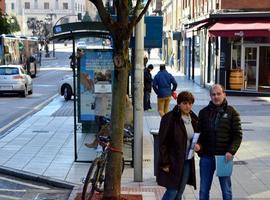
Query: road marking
{"points": [[12, 190], [42, 85], [9, 197], [28, 113], [23, 183]]}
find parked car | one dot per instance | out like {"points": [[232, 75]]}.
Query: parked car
{"points": [[65, 87], [14, 79]]}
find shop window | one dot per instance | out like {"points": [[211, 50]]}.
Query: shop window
{"points": [[236, 56]]}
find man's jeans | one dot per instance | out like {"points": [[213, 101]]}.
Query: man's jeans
{"points": [[146, 100], [173, 194], [163, 105], [207, 169]]}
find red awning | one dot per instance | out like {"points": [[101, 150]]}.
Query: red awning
{"points": [[194, 28], [245, 28]]}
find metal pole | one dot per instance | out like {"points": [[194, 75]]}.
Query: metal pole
{"points": [[138, 101], [53, 49], [75, 99]]}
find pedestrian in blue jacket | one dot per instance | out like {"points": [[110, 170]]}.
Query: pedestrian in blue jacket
{"points": [[164, 84]]}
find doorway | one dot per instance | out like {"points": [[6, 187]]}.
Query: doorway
{"points": [[251, 68], [264, 69]]}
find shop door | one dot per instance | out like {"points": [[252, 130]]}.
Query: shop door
{"points": [[251, 68]]}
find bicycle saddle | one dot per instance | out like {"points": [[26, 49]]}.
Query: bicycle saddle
{"points": [[104, 139]]}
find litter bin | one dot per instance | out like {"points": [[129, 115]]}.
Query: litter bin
{"points": [[154, 132]]}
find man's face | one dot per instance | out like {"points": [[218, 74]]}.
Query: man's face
{"points": [[217, 95]]}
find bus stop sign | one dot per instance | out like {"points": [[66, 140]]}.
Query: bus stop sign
{"points": [[153, 32]]}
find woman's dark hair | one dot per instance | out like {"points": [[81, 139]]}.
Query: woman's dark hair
{"points": [[185, 96]]}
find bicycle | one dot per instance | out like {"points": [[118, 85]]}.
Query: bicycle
{"points": [[128, 137], [95, 177]]}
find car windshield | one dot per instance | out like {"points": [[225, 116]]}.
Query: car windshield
{"points": [[9, 71]]}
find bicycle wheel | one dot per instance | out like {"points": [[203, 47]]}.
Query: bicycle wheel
{"points": [[99, 185], [90, 180]]}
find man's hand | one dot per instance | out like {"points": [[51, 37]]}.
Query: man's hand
{"points": [[228, 156], [197, 147]]}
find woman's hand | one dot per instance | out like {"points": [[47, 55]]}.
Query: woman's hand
{"points": [[228, 156], [197, 147], [166, 168]]}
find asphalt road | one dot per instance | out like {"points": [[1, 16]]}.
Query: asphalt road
{"points": [[14, 108], [21, 189]]}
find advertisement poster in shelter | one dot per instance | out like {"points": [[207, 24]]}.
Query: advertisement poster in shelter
{"points": [[95, 84]]}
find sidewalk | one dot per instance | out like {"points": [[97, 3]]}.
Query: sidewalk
{"points": [[44, 144]]}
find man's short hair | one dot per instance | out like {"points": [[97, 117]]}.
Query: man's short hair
{"points": [[150, 66], [185, 96], [216, 85], [162, 66]]}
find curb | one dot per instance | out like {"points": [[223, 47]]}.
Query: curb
{"points": [[74, 192], [9, 127], [38, 178]]}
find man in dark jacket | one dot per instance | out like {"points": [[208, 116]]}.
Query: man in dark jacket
{"points": [[147, 87], [221, 134], [162, 86]]}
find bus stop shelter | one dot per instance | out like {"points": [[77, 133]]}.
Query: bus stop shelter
{"points": [[72, 32]]}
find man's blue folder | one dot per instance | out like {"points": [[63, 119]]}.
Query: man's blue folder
{"points": [[223, 167]]}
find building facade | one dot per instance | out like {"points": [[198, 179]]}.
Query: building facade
{"points": [[227, 42], [54, 10], [2, 6]]}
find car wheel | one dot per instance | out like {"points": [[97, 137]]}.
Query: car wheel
{"points": [[67, 92], [30, 92]]}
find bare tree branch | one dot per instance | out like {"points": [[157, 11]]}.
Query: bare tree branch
{"points": [[103, 13], [134, 19], [143, 11]]}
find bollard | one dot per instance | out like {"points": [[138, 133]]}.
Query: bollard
{"points": [[154, 132]]}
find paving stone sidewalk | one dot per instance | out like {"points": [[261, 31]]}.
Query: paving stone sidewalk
{"points": [[44, 144]]}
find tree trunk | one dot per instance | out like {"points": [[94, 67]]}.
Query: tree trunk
{"points": [[114, 166]]}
